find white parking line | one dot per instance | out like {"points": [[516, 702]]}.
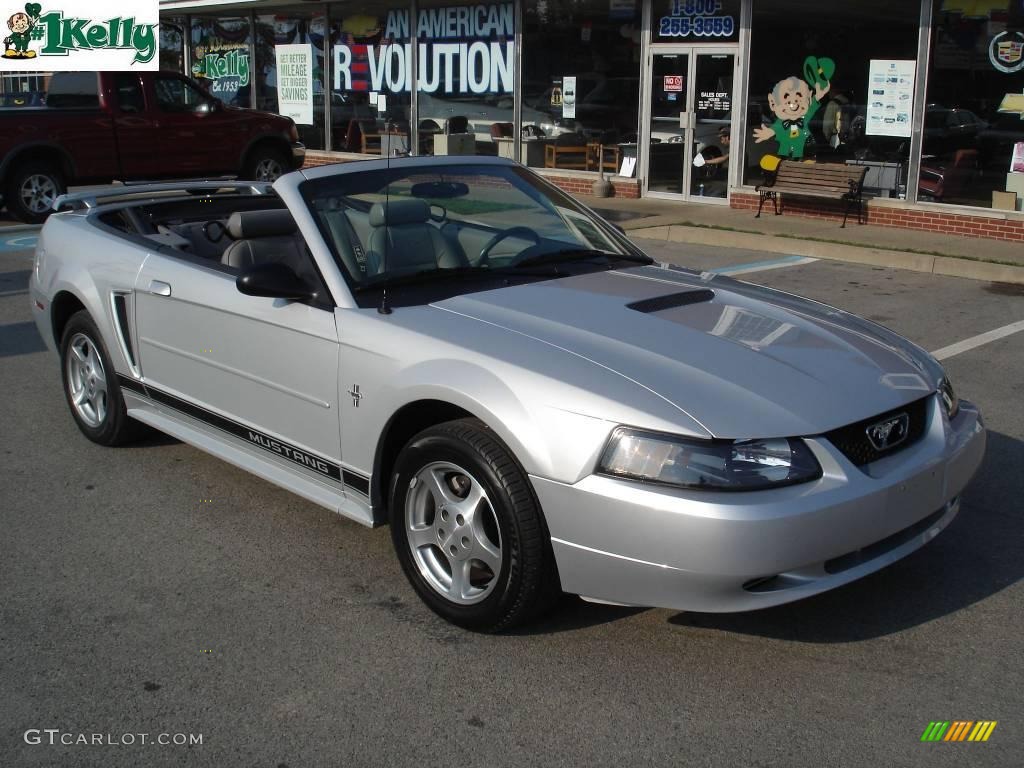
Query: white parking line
{"points": [[761, 266], [976, 341]]}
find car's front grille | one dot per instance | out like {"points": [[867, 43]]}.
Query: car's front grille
{"points": [[852, 440]]}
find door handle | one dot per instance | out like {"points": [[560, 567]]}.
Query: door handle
{"points": [[160, 288]]}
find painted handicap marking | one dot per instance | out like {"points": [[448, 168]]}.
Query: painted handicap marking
{"points": [[20, 242]]}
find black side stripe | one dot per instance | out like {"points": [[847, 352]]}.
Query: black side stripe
{"points": [[310, 461]]}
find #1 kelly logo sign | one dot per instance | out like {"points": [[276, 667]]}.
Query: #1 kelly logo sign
{"points": [[115, 35]]}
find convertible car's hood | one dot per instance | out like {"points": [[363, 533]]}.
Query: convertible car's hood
{"points": [[743, 361]]}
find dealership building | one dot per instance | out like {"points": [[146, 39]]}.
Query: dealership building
{"points": [[687, 100]]}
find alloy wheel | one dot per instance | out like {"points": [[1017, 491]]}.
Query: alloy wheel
{"points": [[268, 169], [38, 193], [453, 533], [87, 381]]}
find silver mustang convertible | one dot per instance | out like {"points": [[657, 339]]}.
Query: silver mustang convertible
{"points": [[456, 348]]}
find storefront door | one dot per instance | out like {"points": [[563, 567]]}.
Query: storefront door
{"points": [[690, 122]]}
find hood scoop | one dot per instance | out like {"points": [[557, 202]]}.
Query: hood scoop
{"points": [[672, 300]]}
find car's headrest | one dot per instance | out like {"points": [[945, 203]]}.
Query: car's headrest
{"points": [[398, 212], [246, 225]]}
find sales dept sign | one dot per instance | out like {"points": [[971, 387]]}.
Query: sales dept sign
{"points": [[107, 35]]}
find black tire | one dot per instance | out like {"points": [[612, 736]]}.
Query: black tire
{"points": [[265, 163], [528, 580], [31, 189], [115, 427]]}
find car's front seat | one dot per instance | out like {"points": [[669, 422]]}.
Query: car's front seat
{"points": [[262, 237], [403, 240]]}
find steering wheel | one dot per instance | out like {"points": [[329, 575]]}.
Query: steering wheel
{"points": [[208, 226], [522, 232]]}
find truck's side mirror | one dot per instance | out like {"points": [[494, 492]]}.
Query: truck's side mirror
{"points": [[208, 107]]}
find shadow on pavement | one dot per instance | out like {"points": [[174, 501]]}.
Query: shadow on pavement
{"points": [[978, 556], [20, 339], [572, 613]]}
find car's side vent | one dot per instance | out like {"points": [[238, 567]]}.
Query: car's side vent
{"points": [[123, 326], [673, 300]]}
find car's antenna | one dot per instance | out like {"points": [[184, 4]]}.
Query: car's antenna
{"points": [[385, 140]]}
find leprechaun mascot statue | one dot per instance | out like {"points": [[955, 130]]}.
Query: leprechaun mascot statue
{"points": [[795, 104], [21, 24]]}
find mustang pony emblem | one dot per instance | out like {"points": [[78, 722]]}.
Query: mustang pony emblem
{"points": [[889, 433]]}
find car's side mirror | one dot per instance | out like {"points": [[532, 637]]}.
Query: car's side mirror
{"points": [[208, 107], [274, 281]]}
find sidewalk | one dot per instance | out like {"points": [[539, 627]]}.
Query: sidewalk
{"points": [[938, 253]]}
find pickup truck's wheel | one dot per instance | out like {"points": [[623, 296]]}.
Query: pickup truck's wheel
{"points": [[90, 385], [265, 164], [468, 530], [31, 191]]}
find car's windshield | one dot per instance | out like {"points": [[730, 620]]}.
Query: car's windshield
{"points": [[390, 226]]}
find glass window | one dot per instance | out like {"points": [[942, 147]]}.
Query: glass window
{"points": [[221, 57], [291, 28], [176, 95], [581, 83], [74, 90], [833, 83], [493, 220], [974, 125], [172, 44], [696, 21], [370, 93], [129, 93], [23, 89], [466, 77]]}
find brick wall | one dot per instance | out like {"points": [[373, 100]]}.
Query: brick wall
{"points": [[996, 226]]}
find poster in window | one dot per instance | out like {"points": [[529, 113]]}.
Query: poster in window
{"points": [[569, 97], [295, 82], [890, 97]]}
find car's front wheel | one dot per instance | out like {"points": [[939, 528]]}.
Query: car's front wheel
{"points": [[90, 385], [468, 530], [265, 164]]}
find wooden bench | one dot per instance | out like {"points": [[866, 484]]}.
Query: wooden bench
{"points": [[835, 181]]}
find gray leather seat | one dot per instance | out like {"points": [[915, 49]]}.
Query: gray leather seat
{"points": [[263, 237], [403, 240]]}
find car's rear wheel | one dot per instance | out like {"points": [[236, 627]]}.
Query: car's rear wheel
{"points": [[32, 189], [468, 530], [90, 385]]}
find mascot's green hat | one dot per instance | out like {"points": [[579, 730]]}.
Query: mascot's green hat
{"points": [[818, 72]]}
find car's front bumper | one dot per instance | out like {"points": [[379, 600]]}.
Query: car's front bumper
{"points": [[298, 155], [628, 543]]}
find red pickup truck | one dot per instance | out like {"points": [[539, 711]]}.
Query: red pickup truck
{"points": [[101, 127]]}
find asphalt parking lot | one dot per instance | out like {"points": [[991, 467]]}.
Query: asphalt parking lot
{"points": [[155, 590]]}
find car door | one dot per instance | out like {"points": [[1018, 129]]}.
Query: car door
{"points": [[193, 135], [262, 370]]}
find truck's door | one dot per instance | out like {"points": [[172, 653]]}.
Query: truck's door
{"points": [[191, 132], [134, 128]]}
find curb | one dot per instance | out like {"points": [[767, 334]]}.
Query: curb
{"points": [[877, 257]]}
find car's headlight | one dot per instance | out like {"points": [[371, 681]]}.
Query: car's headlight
{"points": [[741, 465], [949, 398]]}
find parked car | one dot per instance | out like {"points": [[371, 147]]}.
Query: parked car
{"points": [[459, 349], [100, 127]]}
